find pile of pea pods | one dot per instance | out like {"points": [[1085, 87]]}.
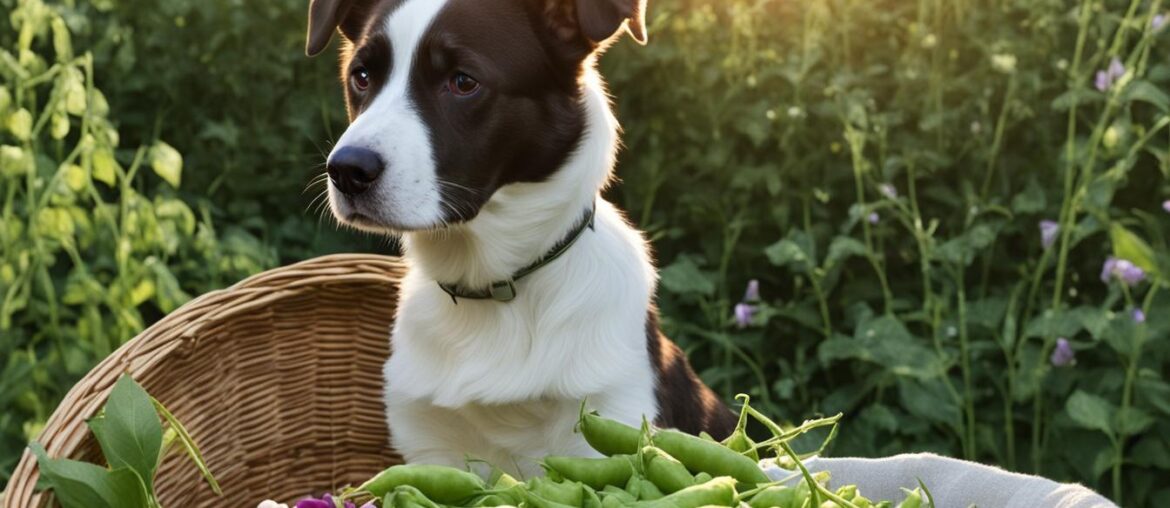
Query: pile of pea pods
{"points": [[644, 468]]}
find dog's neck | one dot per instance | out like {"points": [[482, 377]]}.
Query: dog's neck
{"points": [[521, 222]]}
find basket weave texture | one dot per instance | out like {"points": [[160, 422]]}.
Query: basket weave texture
{"points": [[278, 378]]}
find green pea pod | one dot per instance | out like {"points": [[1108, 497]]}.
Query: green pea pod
{"points": [[443, 484], [536, 501], [643, 489], [666, 472], [592, 500], [406, 496], [617, 492], [610, 437], [615, 502], [699, 455], [570, 493], [884, 504], [718, 492], [913, 499], [779, 495], [494, 500], [703, 477], [596, 473]]}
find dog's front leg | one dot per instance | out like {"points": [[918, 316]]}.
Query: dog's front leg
{"points": [[425, 434]]}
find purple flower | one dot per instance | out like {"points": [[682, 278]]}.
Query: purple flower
{"points": [[874, 217], [743, 316], [1108, 77], [1116, 68], [1166, 205], [1139, 316], [326, 501], [1063, 355], [752, 294], [888, 191], [1102, 81], [1048, 231], [1122, 269], [1158, 22]]}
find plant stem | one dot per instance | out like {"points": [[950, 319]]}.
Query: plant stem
{"points": [[965, 356]]}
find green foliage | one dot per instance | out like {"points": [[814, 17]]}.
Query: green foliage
{"points": [[131, 437], [93, 248], [882, 168]]}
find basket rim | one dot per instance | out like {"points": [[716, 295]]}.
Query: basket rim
{"points": [[66, 430]]}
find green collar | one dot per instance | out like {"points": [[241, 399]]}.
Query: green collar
{"points": [[505, 290]]}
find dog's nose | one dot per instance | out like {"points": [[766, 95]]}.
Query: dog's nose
{"points": [[353, 170]]}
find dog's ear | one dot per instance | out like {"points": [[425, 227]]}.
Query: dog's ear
{"points": [[596, 20], [325, 16], [600, 19]]}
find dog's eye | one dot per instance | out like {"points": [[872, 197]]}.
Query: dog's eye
{"points": [[463, 85], [361, 78]]}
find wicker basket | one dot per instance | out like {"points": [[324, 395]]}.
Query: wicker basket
{"points": [[279, 380]]}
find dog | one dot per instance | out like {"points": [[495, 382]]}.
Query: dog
{"points": [[481, 134]]}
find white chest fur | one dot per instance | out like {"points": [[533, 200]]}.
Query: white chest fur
{"points": [[503, 381]]}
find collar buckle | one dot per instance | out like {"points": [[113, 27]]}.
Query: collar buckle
{"points": [[503, 291]]}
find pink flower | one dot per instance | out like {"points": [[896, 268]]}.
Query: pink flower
{"points": [[1139, 316], [1108, 77], [874, 218], [1166, 205], [326, 501], [1123, 270], [752, 294], [744, 314], [1048, 231], [1063, 354], [1158, 22]]}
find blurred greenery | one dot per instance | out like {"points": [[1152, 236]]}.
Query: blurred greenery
{"points": [[881, 167]]}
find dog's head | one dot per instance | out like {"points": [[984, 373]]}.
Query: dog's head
{"points": [[451, 99]]}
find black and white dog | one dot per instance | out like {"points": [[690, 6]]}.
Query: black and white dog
{"points": [[482, 134]]}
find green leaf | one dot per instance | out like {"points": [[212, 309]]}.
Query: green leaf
{"points": [[1132, 422], [1031, 200], [842, 248], [929, 399], [1127, 245], [683, 277], [1059, 323], [1091, 412], [788, 253], [130, 433], [884, 341], [962, 250], [189, 445], [1144, 91], [167, 163], [1094, 319], [82, 485], [1078, 96]]}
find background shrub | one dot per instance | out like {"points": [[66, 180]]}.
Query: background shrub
{"points": [[881, 167]]}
